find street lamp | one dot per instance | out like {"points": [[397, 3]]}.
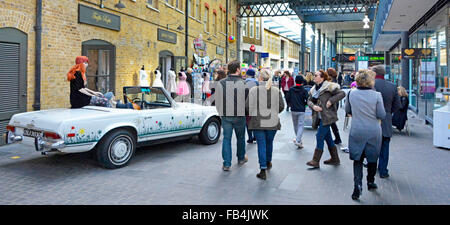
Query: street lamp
{"points": [[119, 5]]}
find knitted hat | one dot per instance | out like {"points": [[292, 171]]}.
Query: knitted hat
{"points": [[300, 80], [250, 72]]}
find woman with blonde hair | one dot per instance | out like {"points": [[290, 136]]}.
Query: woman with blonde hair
{"points": [[399, 118], [365, 105], [263, 104], [309, 79]]}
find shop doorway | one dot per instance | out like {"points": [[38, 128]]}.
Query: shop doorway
{"points": [[168, 61], [101, 72], [13, 75]]}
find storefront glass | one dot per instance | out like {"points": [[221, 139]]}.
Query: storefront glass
{"points": [[430, 75], [396, 66]]}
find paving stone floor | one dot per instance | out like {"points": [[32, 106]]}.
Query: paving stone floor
{"points": [[191, 173]]}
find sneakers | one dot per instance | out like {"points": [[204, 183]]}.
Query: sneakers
{"points": [[242, 162], [299, 145], [384, 175], [225, 168]]}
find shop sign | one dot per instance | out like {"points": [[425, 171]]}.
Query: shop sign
{"points": [[416, 53], [363, 58], [219, 50], [167, 36], [264, 55], [376, 58], [95, 17]]}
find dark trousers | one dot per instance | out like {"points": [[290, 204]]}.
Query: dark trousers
{"points": [[384, 157], [285, 98], [358, 171], [335, 132]]}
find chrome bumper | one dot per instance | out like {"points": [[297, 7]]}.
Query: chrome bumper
{"points": [[40, 144]]}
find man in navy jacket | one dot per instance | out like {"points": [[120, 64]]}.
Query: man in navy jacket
{"points": [[297, 98]]}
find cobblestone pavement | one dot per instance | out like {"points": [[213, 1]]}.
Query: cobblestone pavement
{"points": [[191, 173]]}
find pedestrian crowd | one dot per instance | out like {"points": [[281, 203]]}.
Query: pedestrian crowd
{"points": [[252, 104]]}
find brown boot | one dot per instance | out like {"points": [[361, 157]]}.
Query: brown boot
{"points": [[334, 156], [316, 158]]}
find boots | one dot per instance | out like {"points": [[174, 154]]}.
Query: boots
{"points": [[316, 158], [334, 156], [262, 174]]}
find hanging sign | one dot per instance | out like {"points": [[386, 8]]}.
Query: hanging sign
{"points": [[200, 47], [416, 53]]}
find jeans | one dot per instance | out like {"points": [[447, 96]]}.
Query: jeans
{"points": [[238, 124], [324, 134], [384, 156], [298, 119], [250, 133], [264, 139], [358, 171]]}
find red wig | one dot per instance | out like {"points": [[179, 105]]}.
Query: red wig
{"points": [[78, 67]]}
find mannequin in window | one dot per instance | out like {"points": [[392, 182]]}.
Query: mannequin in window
{"points": [[182, 88], [189, 81], [157, 82], [171, 82], [143, 78]]}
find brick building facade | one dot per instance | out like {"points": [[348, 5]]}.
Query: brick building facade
{"points": [[136, 44], [119, 42]]}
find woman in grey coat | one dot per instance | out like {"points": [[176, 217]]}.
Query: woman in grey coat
{"points": [[366, 108], [263, 104]]}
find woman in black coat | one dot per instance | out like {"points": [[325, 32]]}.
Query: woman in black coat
{"points": [[399, 118]]}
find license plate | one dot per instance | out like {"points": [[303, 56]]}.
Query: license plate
{"points": [[32, 133]]}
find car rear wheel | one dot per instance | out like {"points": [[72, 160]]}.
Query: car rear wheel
{"points": [[210, 132], [116, 149]]}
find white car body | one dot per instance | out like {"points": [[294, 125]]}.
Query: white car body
{"points": [[80, 130]]}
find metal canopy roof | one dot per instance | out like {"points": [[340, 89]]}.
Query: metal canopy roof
{"points": [[310, 11]]}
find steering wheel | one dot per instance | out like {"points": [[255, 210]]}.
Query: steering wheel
{"points": [[136, 99]]}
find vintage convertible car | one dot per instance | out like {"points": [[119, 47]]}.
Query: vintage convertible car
{"points": [[114, 133]]}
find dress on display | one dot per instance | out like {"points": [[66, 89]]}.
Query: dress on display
{"points": [[143, 79], [157, 82], [171, 84], [182, 88]]}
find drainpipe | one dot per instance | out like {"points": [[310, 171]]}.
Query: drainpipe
{"points": [[38, 29], [226, 36], [186, 36]]}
